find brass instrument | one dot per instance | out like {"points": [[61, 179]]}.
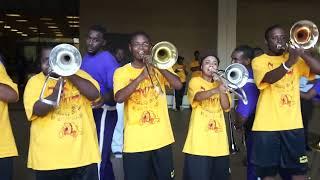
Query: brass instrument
{"points": [[235, 76], [303, 34], [233, 145], [163, 56], [64, 60]]}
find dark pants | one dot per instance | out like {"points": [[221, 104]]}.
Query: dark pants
{"points": [[106, 171], [140, 165], [306, 112], [206, 168], [80, 173], [6, 168], [179, 95], [251, 174]]}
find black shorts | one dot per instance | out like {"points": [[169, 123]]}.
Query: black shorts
{"points": [[89, 172], [276, 151], [142, 165], [206, 168], [6, 168]]}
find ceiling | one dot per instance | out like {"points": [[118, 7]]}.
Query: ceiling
{"points": [[39, 18]]}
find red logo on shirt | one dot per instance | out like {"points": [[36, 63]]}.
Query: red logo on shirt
{"points": [[214, 126], [69, 129], [149, 118]]}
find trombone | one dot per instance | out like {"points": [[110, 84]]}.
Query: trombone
{"points": [[163, 56], [303, 34], [235, 76], [64, 60]]}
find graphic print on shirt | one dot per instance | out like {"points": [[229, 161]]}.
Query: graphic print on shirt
{"points": [[285, 88], [146, 99], [211, 111], [68, 113]]}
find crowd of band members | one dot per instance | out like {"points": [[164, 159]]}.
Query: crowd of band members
{"points": [[110, 107]]}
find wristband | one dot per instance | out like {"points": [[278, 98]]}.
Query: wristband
{"points": [[285, 67]]}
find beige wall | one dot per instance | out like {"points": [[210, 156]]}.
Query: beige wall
{"points": [[255, 16], [190, 25]]}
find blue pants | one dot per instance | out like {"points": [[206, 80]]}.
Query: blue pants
{"points": [[106, 172], [251, 174]]}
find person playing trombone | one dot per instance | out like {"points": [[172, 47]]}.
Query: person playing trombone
{"points": [[147, 130], [63, 139], [278, 134], [207, 148]]}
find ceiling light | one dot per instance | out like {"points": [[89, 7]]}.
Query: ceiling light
{"points": [[73, 22], [14, 30], [7, 27], [19, 32], [1, 21], [59, 35], [42, 33], [46, 19], [49, 23], [22, 20], [74, 26], [25, 35], [13, 15], [33, 28], [73, 17], [52, 27], [57, 32]]}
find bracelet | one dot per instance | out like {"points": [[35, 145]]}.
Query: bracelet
{"points": [[285, 67]]}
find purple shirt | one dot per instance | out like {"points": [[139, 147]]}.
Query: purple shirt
{"points": [[252, 93], [101, 67]]}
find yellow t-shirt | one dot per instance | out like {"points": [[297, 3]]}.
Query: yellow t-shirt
{"points": [[179, 69], [278, 106], [195, 63], [7, 144], [207, 135], [66, 137], [146, 119]]}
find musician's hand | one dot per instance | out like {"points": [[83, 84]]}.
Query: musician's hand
{"points": [[97, 104], [143, 75], [222, 88], [294, 54]]}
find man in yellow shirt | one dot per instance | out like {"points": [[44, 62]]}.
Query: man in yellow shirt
{"points": [[63, 139], [180, 69], [195, 65], [207, 148], [147, 130], [8, 94], [278, 134]]}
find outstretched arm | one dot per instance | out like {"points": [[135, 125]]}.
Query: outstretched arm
{"points": [[7, 94], [173, 80]]}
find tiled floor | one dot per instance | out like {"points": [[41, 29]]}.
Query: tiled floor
{"points": [[179, 121]]}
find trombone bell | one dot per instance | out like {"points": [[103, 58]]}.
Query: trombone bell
{"points": [[164, 55], [64, 60], [237, 75], [304, 34]]}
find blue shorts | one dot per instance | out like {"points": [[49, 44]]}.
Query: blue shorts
{"points": [[276, 151]]}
